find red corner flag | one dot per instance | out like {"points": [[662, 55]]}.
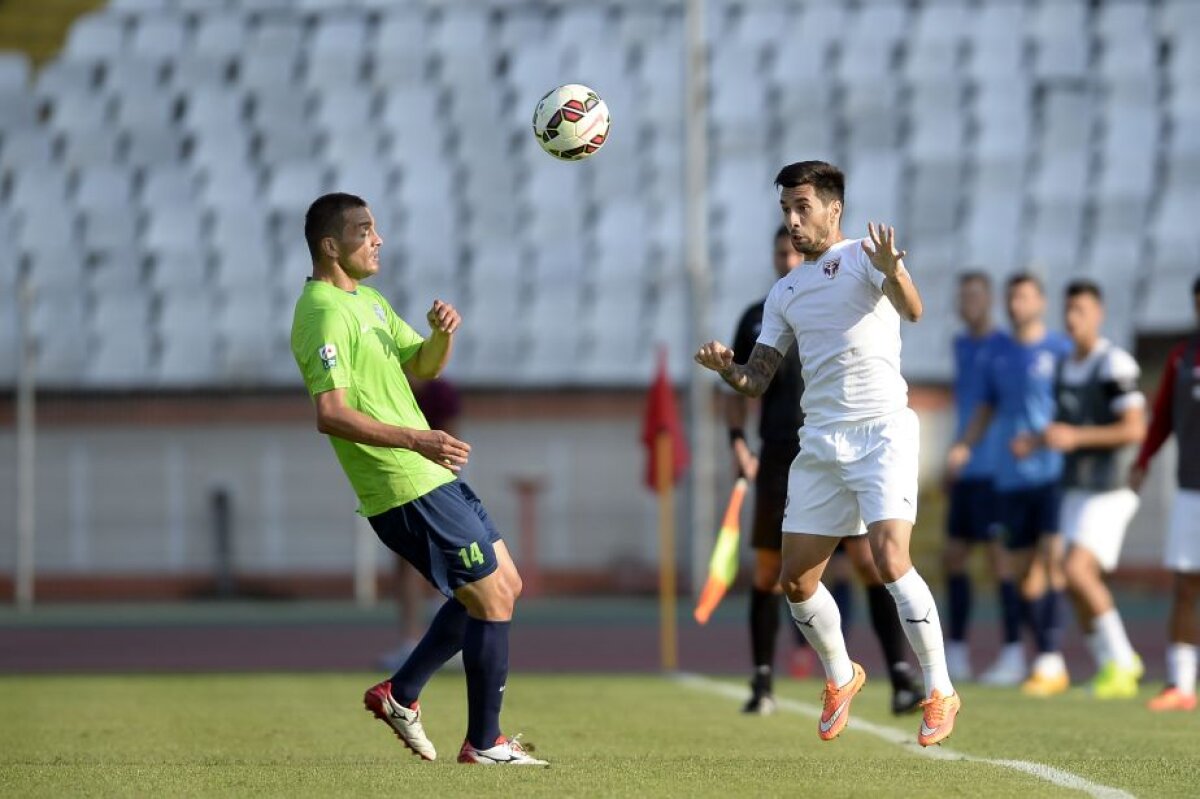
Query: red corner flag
{"points": [[662, 416]]}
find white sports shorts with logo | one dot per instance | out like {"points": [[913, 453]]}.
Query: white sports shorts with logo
{"points": [[1097, 520], [853, 474], [1182, 553]]}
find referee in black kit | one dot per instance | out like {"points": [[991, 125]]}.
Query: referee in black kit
{"points": [[780, 418]]}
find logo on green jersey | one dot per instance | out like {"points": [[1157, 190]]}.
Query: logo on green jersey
{"points": [[379, 312], [328, 354]]}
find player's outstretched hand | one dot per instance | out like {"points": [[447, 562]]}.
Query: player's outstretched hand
{"points": [[1061, 437], [443, 449], [1023, 445], [714, 355], [443, 318], [883, 253]]}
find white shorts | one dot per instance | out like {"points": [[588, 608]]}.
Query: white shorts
{"points": [[1097, 520], [1182, 553], [852, 473]]}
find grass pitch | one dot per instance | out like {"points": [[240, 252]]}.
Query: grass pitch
{"points": [[307, 735]]}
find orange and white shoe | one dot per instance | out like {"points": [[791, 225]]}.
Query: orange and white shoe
{"points": [[506, 752], [938, 720], [1172, 699], [836, 703], [1042, 684]]}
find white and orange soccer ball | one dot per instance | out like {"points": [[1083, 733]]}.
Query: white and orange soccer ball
{"points": [[571, 122]]}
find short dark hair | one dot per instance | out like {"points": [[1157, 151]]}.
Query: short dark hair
{"points": [[1082, 286], [782, 232], [975, 275], [826, 179], [1024, 277], [324, 218]]}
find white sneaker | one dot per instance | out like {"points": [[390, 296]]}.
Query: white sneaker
{"points": [[1009, 668], [506, 752], [406, 722], [958, 661]]}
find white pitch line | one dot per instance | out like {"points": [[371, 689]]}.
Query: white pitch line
{"points": [[907, 741]]}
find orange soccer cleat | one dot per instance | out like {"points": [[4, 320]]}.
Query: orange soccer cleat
{"points": [[938, 720], [1172, 699], [837, 704]]}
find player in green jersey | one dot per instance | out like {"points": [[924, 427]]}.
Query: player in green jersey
{"points": [[353, 352]]}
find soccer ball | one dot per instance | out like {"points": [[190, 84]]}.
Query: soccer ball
{"points": [[571, 122]]}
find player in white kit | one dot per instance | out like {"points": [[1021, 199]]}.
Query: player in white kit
{"points": [[857, 468]]}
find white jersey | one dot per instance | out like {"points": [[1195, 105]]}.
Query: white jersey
{"points": [[847, 335], [1118, 374]]}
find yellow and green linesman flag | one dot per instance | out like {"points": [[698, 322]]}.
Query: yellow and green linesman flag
{"points": [[723, 567]]}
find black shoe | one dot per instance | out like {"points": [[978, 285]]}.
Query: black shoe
{"points": [[760, 705], [906, 695]]}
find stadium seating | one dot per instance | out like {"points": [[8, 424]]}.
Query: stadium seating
{"points": [[176, 144]]}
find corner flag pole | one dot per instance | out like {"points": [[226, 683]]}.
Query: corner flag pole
{"points": [[668, 639], [26, 442]]}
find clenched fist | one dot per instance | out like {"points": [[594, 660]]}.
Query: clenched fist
{"points": [[443, 318], [714, 355]]}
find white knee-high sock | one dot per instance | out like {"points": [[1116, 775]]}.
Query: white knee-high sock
{"points": [[1111, 629], [1181, 667], [820, 621], [919, 616]]}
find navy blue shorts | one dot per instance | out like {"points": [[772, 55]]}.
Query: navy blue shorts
{"points": [[445, 534], [1027, 514], [972, 514]]}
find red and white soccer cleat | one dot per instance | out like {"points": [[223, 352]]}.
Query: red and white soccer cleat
{"points": [[506, 752], [404, 721]]}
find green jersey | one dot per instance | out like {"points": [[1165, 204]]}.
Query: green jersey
{"points": [[354, 340]]}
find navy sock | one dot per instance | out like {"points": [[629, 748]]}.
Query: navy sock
{"points": [[441, 641], [1031, 616], [1050, 622], [958, 590], [765, 609], [1010, 611], [485, 660], [843, 597]]}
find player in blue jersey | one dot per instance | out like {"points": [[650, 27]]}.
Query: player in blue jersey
{"points": [[1018, 398], [971, 519]]}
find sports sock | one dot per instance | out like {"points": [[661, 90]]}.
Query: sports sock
{"points": [[923, 626], [843, 595], [886, 622], [441, 641], [1109, 627], [485, 660], [1049, 664], [958, 593], [764, 630], [1181, 667], [820, 620], [1010, 611], [1049, 628]]}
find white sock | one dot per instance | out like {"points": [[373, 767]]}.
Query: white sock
{"points": [[1181, 667], [820, 621], [1049, 664], [919, 617], [1095, 645], [1111, 630]]}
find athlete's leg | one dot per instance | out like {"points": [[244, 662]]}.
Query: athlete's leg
{"points": [[813, 609], [766, 603], [1006, 589], [955, 558], [914, 601], [1185, 634]]}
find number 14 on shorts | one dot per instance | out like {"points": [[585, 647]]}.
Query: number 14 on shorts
{"points": [[471, 555]]}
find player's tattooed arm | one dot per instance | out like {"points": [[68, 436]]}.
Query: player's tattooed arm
{"points": [[750, 378], [898, 287]]}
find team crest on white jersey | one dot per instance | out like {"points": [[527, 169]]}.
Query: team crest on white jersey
{"points": [[379, 312], [328, 353], [831, 267]]}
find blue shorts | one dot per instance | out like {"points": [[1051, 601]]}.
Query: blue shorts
{"points": [[445, 534], [1027, 514], [972, 514]]}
